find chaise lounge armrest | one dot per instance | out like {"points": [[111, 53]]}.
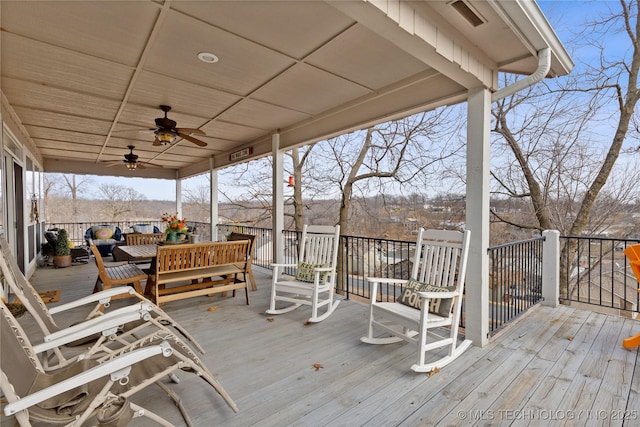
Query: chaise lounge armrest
{"points": [[117, 368], [105, 325], [101, 297]]}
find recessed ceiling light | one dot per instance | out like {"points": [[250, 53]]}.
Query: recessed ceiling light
{"points": [[207, 57]]}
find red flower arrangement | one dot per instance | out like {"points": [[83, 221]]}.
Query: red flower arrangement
{"points": [[174, 224]]}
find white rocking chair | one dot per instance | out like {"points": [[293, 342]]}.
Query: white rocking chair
{"points": [[431, 298], [316, 274]]}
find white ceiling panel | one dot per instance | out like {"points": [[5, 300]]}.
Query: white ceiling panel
{"points": [[85, 79]]}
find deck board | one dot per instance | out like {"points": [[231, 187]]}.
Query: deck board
{"points": [[549, 360]]}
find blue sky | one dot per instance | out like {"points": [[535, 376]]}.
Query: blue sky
{"points": [[566, 17]]}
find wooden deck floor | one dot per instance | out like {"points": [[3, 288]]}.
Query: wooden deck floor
{"points": [[552, 367]]}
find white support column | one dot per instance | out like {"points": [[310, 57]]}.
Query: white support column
{"points": [[278, 199], [213, 204], [551, 268], [477, 215], [179, 197]]}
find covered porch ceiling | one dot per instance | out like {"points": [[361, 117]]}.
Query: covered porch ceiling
{"points": [[83, 80]]}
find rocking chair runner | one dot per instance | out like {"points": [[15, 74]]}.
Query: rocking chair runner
{"points": [[316, 274], [432, 298]]}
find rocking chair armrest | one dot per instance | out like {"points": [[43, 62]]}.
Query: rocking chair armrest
{"points": [[374, 281], [102, 297], [388, 280], [117, 368], [284, 265], [438, 295]]}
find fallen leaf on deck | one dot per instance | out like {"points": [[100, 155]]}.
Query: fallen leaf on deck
{"points": [[270, 319], [570, 337], [317, 366], [212, 308], [434, 371]]}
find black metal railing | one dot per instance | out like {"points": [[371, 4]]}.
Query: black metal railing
{"points": [[595, 271], [515, 280], [598, 273]]}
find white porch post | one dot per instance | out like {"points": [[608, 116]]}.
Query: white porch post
{"points": [[551, 268], [477, 215], [179, 197], [213, 204], [278, 199]]}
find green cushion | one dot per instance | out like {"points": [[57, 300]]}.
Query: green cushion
{"points": [[306, 272], [410, 297]]}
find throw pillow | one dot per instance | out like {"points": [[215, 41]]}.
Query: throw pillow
{"points": [[439, 306], [143, 228], [102, 233], [410, 297], [306, 272]]}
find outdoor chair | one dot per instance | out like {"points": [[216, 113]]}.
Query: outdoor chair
{"points": [[115, 275], [315, 278], [79, 254], [431, 298], [144, 238], [252, 242], [76, 392], [104, 236], [97, 302], [633, 255], [145, 229]]}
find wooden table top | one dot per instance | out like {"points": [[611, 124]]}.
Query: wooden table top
{"points": [[140, 252]]}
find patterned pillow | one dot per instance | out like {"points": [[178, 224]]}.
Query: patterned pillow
{"points": [[102, 233], [440, 306], [143, 228], [410, 297], [306, 272]]}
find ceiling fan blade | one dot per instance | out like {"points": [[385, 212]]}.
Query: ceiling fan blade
{"points": [[112, 163], [192, 139], [191, 130], [149, 165]]}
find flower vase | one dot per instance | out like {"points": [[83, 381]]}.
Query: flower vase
{"points": [[173, 237]]}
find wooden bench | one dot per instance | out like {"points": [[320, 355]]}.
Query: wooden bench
{"points": [[211, 267]]}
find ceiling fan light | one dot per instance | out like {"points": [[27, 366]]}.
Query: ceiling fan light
{"points": [[131, 165], [165, 137]]}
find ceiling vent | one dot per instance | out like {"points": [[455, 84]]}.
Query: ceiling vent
{"points": [[467, 12]]}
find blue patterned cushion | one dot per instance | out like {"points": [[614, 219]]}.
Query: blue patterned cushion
{"points": [[103, 233], [143, 228]]}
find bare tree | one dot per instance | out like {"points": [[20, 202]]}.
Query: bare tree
{"points": [[119, 200], [75, 185], [197, 203], [255, 201], [401, 155], [558, 139]]}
